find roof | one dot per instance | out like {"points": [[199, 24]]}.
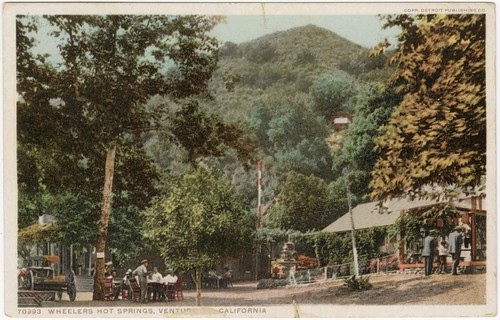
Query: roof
{"points": [[367, 215]]}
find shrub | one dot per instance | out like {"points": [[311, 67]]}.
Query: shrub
{"points": [[271, 283], [357, 284], [307, 262], [389, 263]]}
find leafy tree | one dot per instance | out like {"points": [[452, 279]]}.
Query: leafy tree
{"points": [[298, 139], [357, 149], [197, 223], [437, 135], [331, 93], [303, 204], [202, 135], [260, 116], [72, 226], [93, 102]]}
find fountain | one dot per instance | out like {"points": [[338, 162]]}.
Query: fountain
{"points": [[281, 267]]}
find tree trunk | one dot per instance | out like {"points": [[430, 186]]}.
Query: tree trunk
{"points": [[353, 230], [197, 282], [107, 195]]}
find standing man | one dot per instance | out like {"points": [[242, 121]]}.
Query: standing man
{"points": [[455, 241], [428, 251], [142, 273]]}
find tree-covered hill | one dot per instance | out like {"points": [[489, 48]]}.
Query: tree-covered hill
{"points": [[282, 90], [284, 65]]}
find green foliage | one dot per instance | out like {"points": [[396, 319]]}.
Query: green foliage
{"points": [[362, 62], [357, 283], [357, 149], [336, 248], [370, 116], [94, 99], [412, 226], [301, 56], [126, 238], [272, 283], [437, 135], [303, 204], [76, 215], [198, 222], [229, 49], [260, 117], [262, 52], [202, 135], [331, 93], [298, 140], [305, 56]]}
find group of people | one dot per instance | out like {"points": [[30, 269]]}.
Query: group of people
{"points": [[151, 283], [433, 245]]}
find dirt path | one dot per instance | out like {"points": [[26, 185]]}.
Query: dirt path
{"points": [[398, 289]]}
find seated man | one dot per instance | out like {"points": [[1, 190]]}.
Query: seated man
{"points": [[155, 283], [169, 278]]}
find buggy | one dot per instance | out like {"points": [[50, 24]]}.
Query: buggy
{"points": [[40, 276]]}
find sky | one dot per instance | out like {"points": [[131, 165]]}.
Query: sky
{"points": [[364, 30]]}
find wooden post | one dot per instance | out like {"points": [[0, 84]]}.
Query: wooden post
{"points": [[259, 216], [473, 202], [259, 194], [401, 244]]}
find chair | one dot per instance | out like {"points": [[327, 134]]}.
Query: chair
{"points": [[109, 289], [136, 289], [170, 291], [179, 289]]}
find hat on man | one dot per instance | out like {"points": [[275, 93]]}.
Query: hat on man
{"points": [[109, 263], [128, 271], [145, 261], [433, 232]]}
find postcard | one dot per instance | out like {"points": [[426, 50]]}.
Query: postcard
{"points": [[249, 160]]}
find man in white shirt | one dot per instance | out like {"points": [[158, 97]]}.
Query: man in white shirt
{"points": [[155, 283], [168, 281], [169, 278]]}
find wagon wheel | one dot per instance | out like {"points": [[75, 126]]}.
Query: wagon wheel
{"points": [[29, 283], [71, 286]]}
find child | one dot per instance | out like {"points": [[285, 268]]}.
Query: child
{"points": [[443, 253]]}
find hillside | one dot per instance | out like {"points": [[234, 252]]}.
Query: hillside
{"points": [[283, 65]]}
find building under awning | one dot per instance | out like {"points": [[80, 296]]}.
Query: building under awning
{"points": [[469, 212]]}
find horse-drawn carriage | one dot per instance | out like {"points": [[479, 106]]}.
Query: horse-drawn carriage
{"points": [[40, 276]]}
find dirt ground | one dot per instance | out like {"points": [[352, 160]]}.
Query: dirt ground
{"points": [[396, 289]]}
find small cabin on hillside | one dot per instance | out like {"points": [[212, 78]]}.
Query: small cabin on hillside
{"points": [[341, 121]]}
